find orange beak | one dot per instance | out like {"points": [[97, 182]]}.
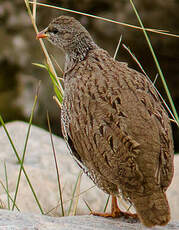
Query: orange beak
{"points": [[41, 35]]}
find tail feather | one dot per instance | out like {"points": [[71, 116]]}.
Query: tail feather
{"points": [[152, 209]]}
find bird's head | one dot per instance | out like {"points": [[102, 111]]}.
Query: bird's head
{"points": [[68, 34]]}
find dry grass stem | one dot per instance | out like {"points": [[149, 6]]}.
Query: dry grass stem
{"points": [[57, 101], [158, 31], [77, 195], [50, 64], [56, 166], [142, 69], [117, 48], [34, 10]]}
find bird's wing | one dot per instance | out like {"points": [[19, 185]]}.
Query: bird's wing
{"points": [[114, 125], [70, 144]]}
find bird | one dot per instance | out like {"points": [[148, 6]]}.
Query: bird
{"points": [[114, 124]]}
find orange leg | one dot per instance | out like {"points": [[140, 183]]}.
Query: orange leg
{"points": [[115, 211]]}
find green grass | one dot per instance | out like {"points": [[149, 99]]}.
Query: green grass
{"points": [[8, 195], [55, 81], [7, 185], [57, 168], [157, 64], [21, 161], [23, 156]]}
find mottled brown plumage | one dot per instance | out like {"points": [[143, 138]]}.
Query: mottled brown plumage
{"points": [[114, 123]]}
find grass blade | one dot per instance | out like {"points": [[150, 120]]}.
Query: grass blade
{"points": [[7, 192], [7, 186], [56, 165], [41, 42], [25, 147], [158, 31], [77, 195], [34, 10], [106, 205], [57, 64], [142, 69], [57, 101], [157, 64], [55, 81], [70, 199], [117, 48], [73, 194], [87, 205], [56, 86], [156, 77], [20, 162]]}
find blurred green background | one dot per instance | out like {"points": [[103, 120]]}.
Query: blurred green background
{"points": [[19, 49]]}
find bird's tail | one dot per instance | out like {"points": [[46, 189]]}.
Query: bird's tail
{"points": [[152, 209]]}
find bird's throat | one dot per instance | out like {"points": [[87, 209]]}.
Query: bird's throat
{"points": [[78, 54]]}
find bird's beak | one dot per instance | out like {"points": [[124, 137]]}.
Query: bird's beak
{"points": [[42, 34]]}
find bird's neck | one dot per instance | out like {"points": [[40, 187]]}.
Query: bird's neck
{"points": [[77, 54]]}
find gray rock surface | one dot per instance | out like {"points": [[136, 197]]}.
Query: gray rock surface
{"points": [[40, 167], [21, 221]]}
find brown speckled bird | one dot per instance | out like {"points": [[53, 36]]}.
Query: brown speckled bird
{"points": [[114, 124]]}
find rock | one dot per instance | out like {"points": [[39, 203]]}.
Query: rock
{"points": [[20, 221], [173, 191], [39, 164], [40, 167]]}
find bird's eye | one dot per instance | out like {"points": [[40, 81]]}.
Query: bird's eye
{"points": [[53, 30]]}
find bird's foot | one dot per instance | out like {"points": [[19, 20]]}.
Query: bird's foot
{"points": [[116, 214]]}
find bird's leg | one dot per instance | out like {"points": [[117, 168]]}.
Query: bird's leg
{"points": [[115, 211]]}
